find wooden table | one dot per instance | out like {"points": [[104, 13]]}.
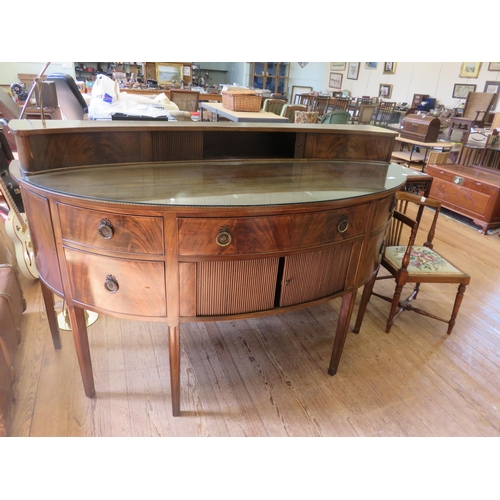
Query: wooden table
{"points": [[195, 238], [154, 92], [241, 116], [417, 157]]}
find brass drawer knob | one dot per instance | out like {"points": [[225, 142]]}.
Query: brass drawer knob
{"points": [[111, 284], [223, 237], [343, 224], [106, 229]]}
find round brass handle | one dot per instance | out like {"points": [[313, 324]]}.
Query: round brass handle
{"points": [[223, 237], [111, 284], [106, 229], [343, 224]]}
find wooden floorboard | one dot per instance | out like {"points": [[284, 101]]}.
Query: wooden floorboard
{"points": [[268, 376]]}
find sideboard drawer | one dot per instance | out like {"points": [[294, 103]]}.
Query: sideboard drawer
{"points": [[256, 235], [123, 286], [109, 231]]}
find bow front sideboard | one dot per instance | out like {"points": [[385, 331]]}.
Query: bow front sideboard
{"points": [[184, 222]]}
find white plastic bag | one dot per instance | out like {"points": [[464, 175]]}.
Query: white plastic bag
{"points": [[104, 93]]}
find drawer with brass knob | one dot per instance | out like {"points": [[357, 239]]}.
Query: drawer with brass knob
{"points": [[110, 231], [260, 235]]}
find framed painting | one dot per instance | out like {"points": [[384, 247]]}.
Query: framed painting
{"points": [[335, 81], [470, 69], [492, 87], [353, 71], [460, 90], [169, 73], [494, 66], [337, 66], [385, 91], [371, 65], [389, 68]]}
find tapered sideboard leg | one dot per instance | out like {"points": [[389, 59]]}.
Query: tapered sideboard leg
{"points": [[174, 350], [48, 299], [342, 327], [80, 337]]}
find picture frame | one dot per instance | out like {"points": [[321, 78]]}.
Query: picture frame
{"points": [[299, 89], [371, 65], [353, 71], [169, 74], [335, 81], [337, 66], [389, 68], [470, 69], [461, 90], [494, 66], [492, 87], [385, 91]]}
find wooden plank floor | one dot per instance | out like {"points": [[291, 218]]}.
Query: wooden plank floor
{"points": [[268, 376]]}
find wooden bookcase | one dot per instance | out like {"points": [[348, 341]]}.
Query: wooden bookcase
{"points": [[271, 76]]}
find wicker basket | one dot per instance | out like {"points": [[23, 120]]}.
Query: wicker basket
{"points": [[241, 100]]}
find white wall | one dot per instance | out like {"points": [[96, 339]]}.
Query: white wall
{"points": [[9, 70]]}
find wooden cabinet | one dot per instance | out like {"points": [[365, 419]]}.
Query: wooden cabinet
{"points": [[272, 76], [203, 223], [470, 191], [420, 128]]}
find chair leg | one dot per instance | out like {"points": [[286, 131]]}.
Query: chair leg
{"points": [[456, 307], [394, 308], [365, 298]]}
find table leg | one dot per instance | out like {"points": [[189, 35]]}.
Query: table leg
{"points": [[48, 299], [346, 308], [80, 337], [174, 352]]}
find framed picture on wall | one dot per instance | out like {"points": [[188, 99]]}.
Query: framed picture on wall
{"points": [[168, 73], [470, 69], [494, 66], [335, 81], [460, 90], [389, 68], [385, 91], [371, 65], [337, 66], [353, 71], [492, 87]]}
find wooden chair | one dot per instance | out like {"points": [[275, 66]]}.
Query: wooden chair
{"points": [[306, 100], [186, 100], [476, 109], [408, 263], [338, 117], [320, 105], [273, 105], [384, 113], [288, 111], [340, 104], [365, 114], [357, 107]]}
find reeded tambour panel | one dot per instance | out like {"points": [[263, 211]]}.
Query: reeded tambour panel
{"points": [[177, 145], [314, 275], [233, 287]]}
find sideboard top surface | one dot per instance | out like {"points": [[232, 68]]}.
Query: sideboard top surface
{"points": [[219, 183]]}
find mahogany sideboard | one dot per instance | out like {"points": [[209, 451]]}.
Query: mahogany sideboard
{"points": [[181, 222]]}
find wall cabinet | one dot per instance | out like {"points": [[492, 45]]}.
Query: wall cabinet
{"points": [[272, 76]]}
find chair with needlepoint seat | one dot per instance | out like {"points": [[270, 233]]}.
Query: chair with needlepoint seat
{"points": [[409, 263]]}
